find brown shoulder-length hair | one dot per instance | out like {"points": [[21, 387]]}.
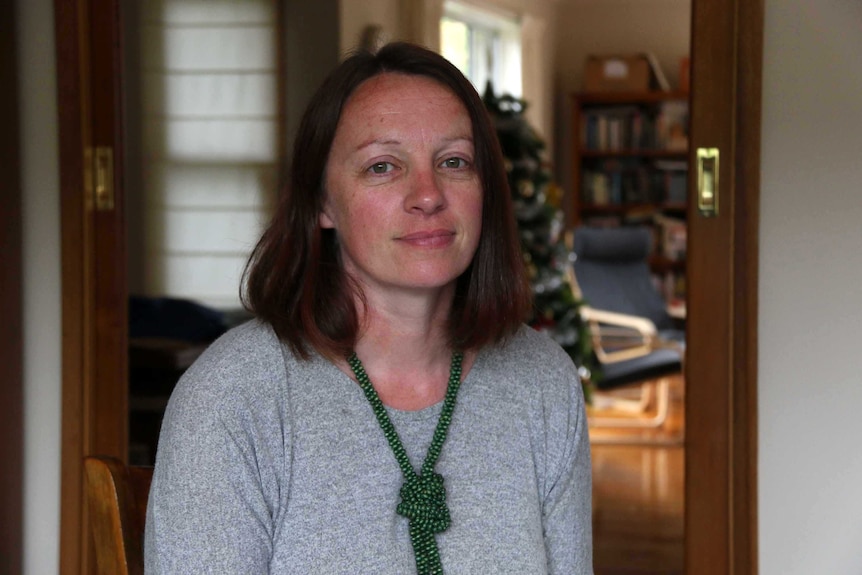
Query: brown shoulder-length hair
{"points": [[294, 279]]}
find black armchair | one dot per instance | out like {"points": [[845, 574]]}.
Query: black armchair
{"points": [[634, 338]]}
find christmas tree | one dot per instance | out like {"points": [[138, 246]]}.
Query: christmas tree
{"points": [[537, 200]]}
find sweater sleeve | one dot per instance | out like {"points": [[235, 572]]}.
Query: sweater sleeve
{"points": [[216, 489], [567, 506]]}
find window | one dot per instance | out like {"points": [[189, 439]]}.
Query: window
{"points": [[209, 143], [484, 45]]}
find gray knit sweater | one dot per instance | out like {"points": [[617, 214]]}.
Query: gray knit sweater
{"points": [[270, 464]]}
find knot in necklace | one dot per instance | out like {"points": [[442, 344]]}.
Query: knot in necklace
{"points": [[423, 495]]}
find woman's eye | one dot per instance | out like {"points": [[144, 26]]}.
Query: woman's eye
{"points": [[381, 168], [455, 163]]}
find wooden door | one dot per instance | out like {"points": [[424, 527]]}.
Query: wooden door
{"points": [[721, 390], [94, 396], [11, 302], [722, 264]]}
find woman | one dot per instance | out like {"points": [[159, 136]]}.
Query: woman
{"points": [[387, 411]]}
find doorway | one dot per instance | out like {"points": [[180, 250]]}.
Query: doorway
{"points": [[625, 164], [720, 432]]}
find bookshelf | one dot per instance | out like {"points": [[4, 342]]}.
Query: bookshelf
{"points": [[630, 167]]}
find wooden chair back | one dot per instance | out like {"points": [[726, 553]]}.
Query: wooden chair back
{"points": [[117, 499]]}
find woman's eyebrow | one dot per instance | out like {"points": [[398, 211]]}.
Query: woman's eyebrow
{"points": [[372, 141], [394, 142]]}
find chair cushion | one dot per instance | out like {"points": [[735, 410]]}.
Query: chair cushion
{"points": [[617, 244], [174, 318], [676, 336], [659, 363]]}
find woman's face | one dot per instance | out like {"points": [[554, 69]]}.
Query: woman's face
{"points": [[402, 190]]}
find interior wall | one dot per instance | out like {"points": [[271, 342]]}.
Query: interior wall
{"points": [[357, 16], [810, 387], [311, 49], [585, 27], [133, 130], [40, 192]]}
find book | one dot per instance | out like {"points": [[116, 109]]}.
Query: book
{"points": [[674, 174], [672, 126], [674, 237]]}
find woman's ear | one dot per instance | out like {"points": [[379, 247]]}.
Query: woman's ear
{"points": [[324, 220]]}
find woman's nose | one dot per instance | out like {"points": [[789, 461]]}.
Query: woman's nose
{"points": [[426, 193]]}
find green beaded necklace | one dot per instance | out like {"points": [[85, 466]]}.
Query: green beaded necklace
{"points": [[423, 496]]}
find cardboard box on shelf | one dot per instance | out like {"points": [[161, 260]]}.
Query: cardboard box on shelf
{"points": [[623, 73]]}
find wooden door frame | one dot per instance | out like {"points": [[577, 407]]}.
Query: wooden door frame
{"points": [[721, 536], [721, 395], [95, 326], [11, 302]]}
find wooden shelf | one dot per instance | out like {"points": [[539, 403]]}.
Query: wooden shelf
{"points": [[635, 153], [593, 209], [652, 97], [662, 264]]}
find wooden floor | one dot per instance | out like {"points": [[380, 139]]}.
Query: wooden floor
{"points": [[638, 497]]}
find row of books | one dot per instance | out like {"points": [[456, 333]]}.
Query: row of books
{"points": [[615, 182], [617, 128]]}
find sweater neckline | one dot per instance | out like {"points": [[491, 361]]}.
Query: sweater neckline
{"points": [[432, 411]]}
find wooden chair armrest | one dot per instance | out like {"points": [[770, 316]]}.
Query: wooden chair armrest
{"points": [[644, 326], [618, 337]]}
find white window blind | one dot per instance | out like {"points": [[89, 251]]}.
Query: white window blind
{"points": [[209, 142]]}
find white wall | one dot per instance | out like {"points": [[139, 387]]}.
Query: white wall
{"points": [[41, 286], [810, 376]]}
